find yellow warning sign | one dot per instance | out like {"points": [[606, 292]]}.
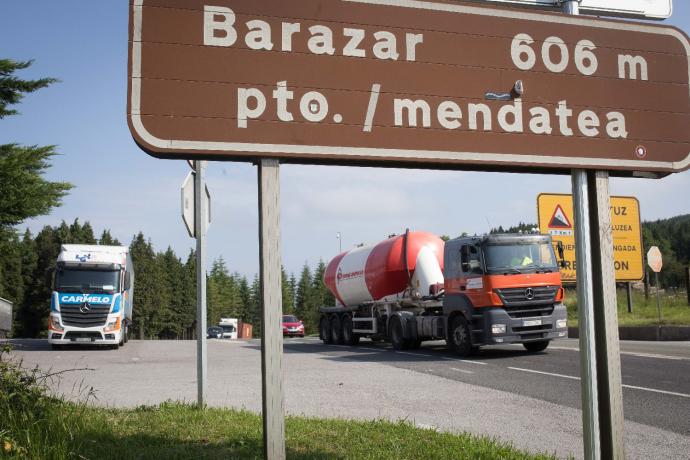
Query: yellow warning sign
{"points": [[556, 218]]}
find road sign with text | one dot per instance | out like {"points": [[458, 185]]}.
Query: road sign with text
{"points": [[407, 83], [556, 218], [652, 9]]}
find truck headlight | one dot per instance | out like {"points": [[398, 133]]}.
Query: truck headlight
{"points": [[498, 329], [55, 324], [561, 323], [113, 325]]}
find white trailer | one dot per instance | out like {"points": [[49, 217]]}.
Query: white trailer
{"points": [[5, 318]]}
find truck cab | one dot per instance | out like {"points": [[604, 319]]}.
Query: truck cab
{"points": [[91, 302], [503, 288]]}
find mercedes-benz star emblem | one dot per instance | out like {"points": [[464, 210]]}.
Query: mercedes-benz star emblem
{"points": [[529, 293], [85, 308]]}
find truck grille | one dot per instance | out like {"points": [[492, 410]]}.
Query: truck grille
{"points": [[95, 316], [529, 301]]}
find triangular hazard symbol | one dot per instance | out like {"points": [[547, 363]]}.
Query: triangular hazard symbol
{"points": [[559, 219]]}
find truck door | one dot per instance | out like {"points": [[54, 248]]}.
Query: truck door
{"points": [[472, 279]]}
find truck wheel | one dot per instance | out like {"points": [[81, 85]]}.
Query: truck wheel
{"points": [[325, 331], [349, 337], [337, 330], [395, 332], [460, 338], [126, 333], [534, 347]]}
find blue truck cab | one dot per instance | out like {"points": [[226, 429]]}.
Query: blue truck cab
{"points": [[91, 302]]}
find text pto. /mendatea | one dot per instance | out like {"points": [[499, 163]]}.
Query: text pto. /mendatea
{"points": [[222, 29]]}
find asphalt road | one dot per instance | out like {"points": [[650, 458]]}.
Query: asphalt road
{"points": [[656, 377], [531, 400]]}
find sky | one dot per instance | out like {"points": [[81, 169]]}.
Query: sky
{"points": [[121, 188]]}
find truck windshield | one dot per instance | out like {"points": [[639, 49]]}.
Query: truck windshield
{"points": [[81, 280], [519, 258]]}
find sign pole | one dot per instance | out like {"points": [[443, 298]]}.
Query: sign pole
{"points": [[609, 378], [687, 283], [271, 306], [585, 308], [602, 394], [629, 292], [200, 219], [658, 304]]}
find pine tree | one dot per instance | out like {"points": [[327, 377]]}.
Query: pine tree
{"points": [[107, 239], [146, 286], [24, 192], [255, 306], [303, 292], [288, 292], [188, 294]]}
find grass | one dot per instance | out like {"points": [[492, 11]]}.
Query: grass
{"points": [[34, 425], [674, 308]]}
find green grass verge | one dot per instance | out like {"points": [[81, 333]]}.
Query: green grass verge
{"points": [[34, 425], [674, 308]]}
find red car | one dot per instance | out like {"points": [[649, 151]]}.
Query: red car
{"points": [[292, 327]]}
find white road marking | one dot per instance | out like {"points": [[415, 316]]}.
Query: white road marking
{"points": [[630, 353], [412, 354], [673, 393], [545, 373], [633, 387], [481, 363], [461, 370]]}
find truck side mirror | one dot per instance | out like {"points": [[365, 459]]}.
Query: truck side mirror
{"points": [[128, 281], [561, 256], [559, 245]]}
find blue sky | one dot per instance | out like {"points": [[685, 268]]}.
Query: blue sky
{"points": [[119, 187]]}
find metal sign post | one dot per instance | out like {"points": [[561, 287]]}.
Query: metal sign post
{"points": [[196, 215], [271, 306], [655, 262], [602, 394], [200, 220]]}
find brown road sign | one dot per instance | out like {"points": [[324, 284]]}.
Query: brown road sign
{"points": [[654, 259], [407, 83]]}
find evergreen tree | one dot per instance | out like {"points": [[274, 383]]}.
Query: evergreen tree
{"points": [[107, 239], [255, 306], [24, 192], [188, 295], [303, 292], [146, 286], [288, 292]]}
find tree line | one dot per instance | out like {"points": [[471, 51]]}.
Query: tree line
{"points": [[164, 289]]}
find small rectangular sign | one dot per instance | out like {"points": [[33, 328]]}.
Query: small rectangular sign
{"points": [[555, 213], [651, 9], [424, 84]]}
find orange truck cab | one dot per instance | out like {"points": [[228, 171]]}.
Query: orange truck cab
{"points": [[502, 288]]}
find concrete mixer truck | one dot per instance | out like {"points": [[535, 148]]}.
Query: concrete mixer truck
{"points": [[471, 291]]}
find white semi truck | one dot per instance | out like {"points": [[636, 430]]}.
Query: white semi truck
{"points": [[92, 296]]}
